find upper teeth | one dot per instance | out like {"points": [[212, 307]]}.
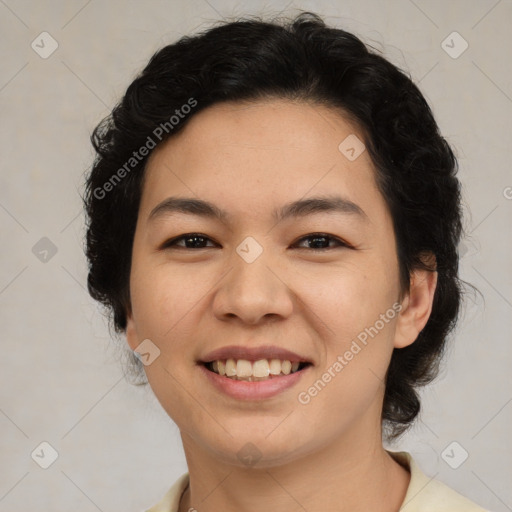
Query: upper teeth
{"points": [[242, 368]]}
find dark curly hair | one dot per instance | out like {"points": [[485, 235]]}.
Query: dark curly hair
{"points": [[302, 59]]}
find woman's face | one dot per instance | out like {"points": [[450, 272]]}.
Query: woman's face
{"points": [[256, 282]]}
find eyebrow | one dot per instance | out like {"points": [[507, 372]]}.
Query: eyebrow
{"points": [[295, 209]]}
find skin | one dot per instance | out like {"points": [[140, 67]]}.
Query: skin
{"points": [[249, 158]]}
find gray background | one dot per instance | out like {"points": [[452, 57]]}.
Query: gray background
{"points": [[61, 381]]}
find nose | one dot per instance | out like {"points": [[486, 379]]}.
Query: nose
{"points": [[253, 292]]}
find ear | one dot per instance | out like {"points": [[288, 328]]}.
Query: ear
{"points": [[132, 336], [417, 304]]}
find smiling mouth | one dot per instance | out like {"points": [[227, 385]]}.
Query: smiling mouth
{"points": [[255, 371]]}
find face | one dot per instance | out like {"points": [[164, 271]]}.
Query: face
{"points": [[299, 264]]}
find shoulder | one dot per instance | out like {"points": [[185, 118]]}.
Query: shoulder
{"points": [[171, 501], [425, 494]]}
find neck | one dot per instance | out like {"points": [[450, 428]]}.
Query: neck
{"points": [[348, 475]]}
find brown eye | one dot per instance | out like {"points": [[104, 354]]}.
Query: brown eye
{"points": [[315, 242], [321, 241], [190, 241]]}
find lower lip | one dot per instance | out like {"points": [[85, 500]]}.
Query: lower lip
{"points": [[259, 390]]}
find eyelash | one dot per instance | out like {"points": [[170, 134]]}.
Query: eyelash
{"points": [[172, 242]]}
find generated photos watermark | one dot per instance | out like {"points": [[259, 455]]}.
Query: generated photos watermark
{"points": [[305, 397], [137, 156]]}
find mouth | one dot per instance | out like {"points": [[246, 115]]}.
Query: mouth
{"points": [[254, 371]]}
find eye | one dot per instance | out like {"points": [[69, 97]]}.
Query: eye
{"points": [[320, 242], [191, 241]]}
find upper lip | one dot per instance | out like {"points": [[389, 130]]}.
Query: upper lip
{"points": [[253, 354]]}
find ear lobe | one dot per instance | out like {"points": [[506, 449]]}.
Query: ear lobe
{"points": [[416, 306], [132, 336]]}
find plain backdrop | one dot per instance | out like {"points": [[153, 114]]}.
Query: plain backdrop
{"points": [[60, 380]]}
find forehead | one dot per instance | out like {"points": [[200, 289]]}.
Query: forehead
{"points": [[279, 125], [249, 154]]}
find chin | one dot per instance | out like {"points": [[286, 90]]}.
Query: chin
{"points": [[254, 448]]}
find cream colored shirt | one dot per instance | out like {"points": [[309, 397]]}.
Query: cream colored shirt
{"points": [[424, 494]]}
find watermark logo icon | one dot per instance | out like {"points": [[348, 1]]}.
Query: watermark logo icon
{"points": [[249, 250], [249, 454], [146, 352], [454, 45], [454, 455], [351, 147], [44, 455], [44, 45], [44, 250]]}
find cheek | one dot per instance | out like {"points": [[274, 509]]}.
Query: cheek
{"points": [[164, 294], [354, 310], [347, 299], [350, 379], [162, 297]]}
